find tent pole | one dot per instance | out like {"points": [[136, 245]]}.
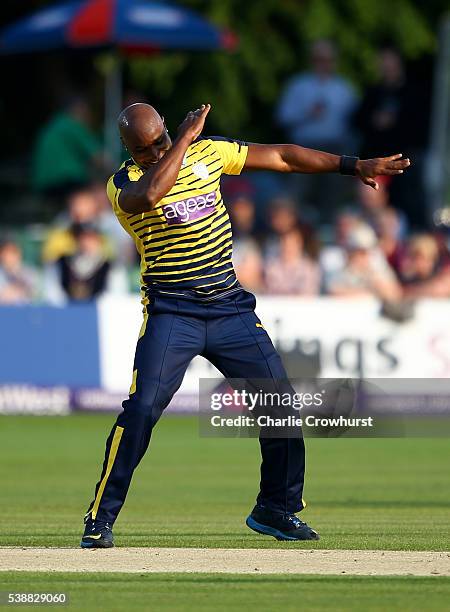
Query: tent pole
{"points": [[113, 106], [437, 169]]}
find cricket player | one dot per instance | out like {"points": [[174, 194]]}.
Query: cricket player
{"points": [[167, 197]]}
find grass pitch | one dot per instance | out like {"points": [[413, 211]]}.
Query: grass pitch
{"points": [[391, 494], [186, 592]]}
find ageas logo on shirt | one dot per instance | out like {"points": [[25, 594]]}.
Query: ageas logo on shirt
{"points": [[189, 209]]}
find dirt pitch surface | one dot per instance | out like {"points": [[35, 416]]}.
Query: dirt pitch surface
{"points": [[227, 560]]}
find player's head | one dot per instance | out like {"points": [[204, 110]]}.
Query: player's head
{"points": [[144, 134]]}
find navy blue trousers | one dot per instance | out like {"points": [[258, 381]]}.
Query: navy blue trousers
{"points": [[173, 333]]}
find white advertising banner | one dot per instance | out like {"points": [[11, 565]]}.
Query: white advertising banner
{"points": [[348, 338]]}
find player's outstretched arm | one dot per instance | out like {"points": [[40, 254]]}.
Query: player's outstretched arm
{"points": [[143, 195], [292, 158]]}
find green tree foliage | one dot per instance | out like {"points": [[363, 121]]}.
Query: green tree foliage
{"points": [[274, 37]]}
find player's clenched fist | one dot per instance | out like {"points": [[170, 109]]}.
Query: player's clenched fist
{"points": [[368, 169], [192, 126]]}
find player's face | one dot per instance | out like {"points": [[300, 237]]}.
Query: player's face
{"points": [[147, 147]]}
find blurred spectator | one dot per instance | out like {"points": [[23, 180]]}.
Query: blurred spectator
{"points": [[393, 118], [316, 106], [422, 273], [82, 208], [248, 264], [247, 259], [385, 111], [18, 282], [333, 257], [442, 238], [315, 110], [365, 272], [283, 216], [261, 187], [290, 271], [388, 229], [86, 273], [122, 245], [372, 201], [242, 213], [66, 153]]}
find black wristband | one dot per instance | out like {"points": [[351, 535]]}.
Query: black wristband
{"points": [[347, 165]]}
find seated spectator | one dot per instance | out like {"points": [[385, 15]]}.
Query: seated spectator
{"points": [[422, 272], [242, 214], [248, 264], [387, 225], [372, 201], [283, 216], [86, 273], [82, 208], [18, 282], [247, 259], [121, 244], [365, 272], [442, 238], [288, 270], [234, 186], [333, 257]]}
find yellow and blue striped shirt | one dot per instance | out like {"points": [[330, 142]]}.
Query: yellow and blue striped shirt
{"points": [[185, 241]]}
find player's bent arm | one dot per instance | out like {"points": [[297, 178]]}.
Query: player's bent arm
{"points": [[293, 158], [143, 195]]}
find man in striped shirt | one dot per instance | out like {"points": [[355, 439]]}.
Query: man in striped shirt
{"points": [[167, 197]]}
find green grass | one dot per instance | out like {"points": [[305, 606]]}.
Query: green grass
{"points": [[192, 491], [230, 592]]}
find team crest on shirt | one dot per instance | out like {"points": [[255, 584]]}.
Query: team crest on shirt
{"points": [[200, 169]]}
